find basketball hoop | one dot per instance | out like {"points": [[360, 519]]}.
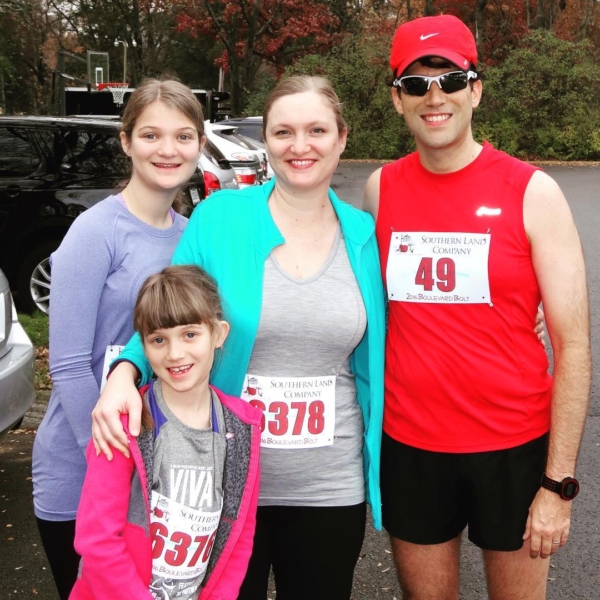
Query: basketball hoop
{"points": [[118, 91]]}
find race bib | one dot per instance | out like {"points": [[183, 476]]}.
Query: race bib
{"points": [[109, 355], [182, 540], [298, 412], [440, 267]]}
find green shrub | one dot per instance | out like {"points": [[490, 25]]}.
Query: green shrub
{"points": [[543, 101]]}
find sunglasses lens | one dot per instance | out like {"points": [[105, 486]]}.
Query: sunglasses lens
{"points": [[415, 86], [453, 82]]}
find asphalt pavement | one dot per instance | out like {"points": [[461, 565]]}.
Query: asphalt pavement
{"points": [[574, 571]]}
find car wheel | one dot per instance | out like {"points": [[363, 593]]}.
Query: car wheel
{"points": [[18, 424], [33, 284]]}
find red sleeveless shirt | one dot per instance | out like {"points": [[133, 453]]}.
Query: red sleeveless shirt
{"points": [[464, 369]]}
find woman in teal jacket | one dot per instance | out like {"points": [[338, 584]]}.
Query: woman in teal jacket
{"points": [[298, 271]]}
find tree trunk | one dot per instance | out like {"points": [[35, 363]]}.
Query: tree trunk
{"points": [[546, 12], [588, 17], [479, 8], [237, 89], [2, 94], [429, 8]]}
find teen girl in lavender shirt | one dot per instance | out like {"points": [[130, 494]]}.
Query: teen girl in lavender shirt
{"points": [[96, 274]]}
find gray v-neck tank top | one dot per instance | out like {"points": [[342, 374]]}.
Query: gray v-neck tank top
{"points": [[309, 328]]}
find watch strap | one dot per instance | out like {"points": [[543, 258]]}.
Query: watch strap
{"points": [[550, 484], [567, 489]]}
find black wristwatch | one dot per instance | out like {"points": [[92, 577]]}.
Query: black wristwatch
{"points": [[567, 489]]}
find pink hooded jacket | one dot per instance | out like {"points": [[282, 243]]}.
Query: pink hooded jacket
{"points": [[113, 538]]}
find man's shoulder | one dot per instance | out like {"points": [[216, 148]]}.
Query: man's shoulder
{"points": [[493, 154], [407, 160], [404, 167], [512, 171]]}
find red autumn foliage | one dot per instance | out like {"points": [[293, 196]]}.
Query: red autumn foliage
{"points": [[276, 31], [255, 32]]}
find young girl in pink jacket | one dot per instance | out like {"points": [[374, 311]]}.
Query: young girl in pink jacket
{"points": [[175, 518]]}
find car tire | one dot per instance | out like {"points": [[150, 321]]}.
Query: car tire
{"points": [[33, 283], [18, 424]]}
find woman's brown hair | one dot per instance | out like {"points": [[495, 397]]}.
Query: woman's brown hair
{"points": [[298, 84]]}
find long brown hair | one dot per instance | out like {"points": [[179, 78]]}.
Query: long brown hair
{"points": [[172, 94]]}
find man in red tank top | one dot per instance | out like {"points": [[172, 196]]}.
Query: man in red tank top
{"points": [[476, 432]]}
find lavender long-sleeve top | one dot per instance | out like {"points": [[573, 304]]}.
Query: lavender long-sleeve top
{"points": [[96, 275]]}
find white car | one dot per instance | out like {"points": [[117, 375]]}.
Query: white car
{"points": [[245, 158], [17, 363], [218, 172], [250, 130], [260, 145]]}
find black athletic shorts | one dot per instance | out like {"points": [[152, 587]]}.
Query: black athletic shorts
{"points": [[430, 497]]}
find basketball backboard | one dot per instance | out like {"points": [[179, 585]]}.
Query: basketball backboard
{"points": [[98, 70]]}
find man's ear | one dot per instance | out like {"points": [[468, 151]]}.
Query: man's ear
{"points": [[397, 99], [476, 91]]}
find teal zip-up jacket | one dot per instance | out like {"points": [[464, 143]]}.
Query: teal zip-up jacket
{"points": [[230, 235]]}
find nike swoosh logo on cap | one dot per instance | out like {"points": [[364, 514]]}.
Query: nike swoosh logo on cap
{"points": [[424, 37]]}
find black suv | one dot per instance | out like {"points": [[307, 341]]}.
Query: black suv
{"points": [[51, 170]]}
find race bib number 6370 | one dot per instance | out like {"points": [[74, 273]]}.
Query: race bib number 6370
{"points": [[439, 267]]}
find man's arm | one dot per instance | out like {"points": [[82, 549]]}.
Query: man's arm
{"points": [[559, 266], [371, 196]]}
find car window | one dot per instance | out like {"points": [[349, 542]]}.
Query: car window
{"points": [[251, 131], [17, 156], [213, 151], [94, 152], [232, 135]]}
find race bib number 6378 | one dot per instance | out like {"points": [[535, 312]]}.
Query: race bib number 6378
{"points": [[439, 267], [298, 412]]}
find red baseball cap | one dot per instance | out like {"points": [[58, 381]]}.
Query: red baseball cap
{"points": [[445, 36]]}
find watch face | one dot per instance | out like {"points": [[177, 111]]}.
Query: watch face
{"points": [[570, 489]]}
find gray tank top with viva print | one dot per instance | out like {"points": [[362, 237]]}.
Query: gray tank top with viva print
{"points": [[309, 328]]}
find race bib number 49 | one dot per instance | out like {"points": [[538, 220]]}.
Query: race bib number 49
{"points": [[439, 267], [298, 412]]}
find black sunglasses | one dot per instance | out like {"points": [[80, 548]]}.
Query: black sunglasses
{"points": [[418, 85]]}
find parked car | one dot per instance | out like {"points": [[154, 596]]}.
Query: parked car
{"points": [[51, 170], [249, 126], [17, 363], [249, 130], [245, 159], [268, 171], [218, 172]]}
